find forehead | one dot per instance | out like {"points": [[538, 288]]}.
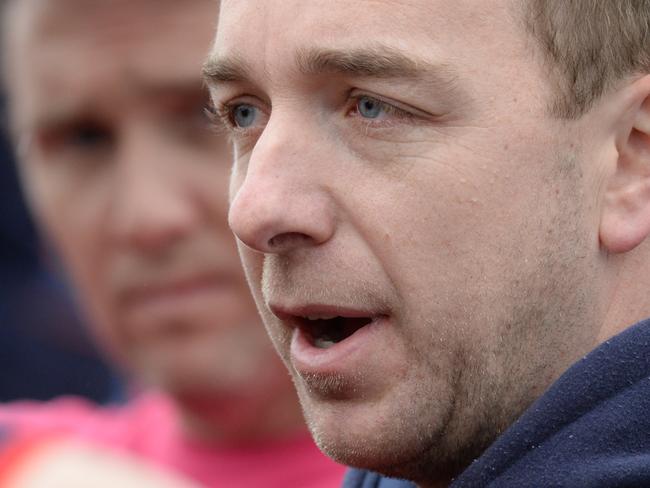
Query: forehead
{"points": [[70, 48], [268, 32]]}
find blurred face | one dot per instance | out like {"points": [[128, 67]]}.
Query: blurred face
{"points": [[131, 184], [418, 233]]}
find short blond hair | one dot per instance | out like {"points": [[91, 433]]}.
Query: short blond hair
{"points": [[591, 45]]}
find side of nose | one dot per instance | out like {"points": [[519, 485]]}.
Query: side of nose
{"points": [[278, 205], [153, 205]]}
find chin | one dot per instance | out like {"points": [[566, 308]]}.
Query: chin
{"points": [[388, 451], [391, 434], [373, 450], [350, 432], [170, 373]]}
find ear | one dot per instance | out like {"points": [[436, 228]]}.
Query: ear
{"points": [[625, 218]]}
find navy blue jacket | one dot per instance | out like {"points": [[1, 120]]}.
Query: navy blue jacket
{"points": [[590, 429]]}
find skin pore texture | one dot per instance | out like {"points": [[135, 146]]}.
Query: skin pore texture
{"points": [[129, 181], [398, 160]]}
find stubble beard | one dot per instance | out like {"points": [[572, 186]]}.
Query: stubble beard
{"points": [[543, 326], [432, 439]]}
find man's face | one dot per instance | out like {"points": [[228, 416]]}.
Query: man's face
{"points": [[131, 184], [417, 231]]}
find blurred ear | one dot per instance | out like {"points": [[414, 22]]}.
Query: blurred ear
{"points": [[625, 218]]}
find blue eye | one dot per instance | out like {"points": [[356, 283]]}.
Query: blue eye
{"points": [[244, 115], [369, 108]]}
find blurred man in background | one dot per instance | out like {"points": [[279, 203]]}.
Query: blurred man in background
{"points": [[49, 338], [125, 176]]}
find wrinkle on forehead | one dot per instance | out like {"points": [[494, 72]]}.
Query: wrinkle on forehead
{"points": [[266, 28]]}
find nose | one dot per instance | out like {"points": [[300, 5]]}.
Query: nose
{"points": [[279, 200], [154, 205]]}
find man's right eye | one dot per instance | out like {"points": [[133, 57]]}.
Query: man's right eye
{"points": [[87, 136], [238, 116], [244, 115]]}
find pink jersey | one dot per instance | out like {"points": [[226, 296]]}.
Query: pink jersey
{"points": [[148, 427]]}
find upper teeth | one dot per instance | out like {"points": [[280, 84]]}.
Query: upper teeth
{"points": [[321, 317]]}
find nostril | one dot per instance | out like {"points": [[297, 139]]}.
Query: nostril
{"points": [[266, 220], [288, 240]]}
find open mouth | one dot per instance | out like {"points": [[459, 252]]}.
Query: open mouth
{"points": [[324, 332]]}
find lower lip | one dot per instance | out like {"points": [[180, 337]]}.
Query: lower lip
{"points": [[339, 358]]}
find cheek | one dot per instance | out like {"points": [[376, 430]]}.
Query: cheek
{"points": [[442, 227], [422, 225], [73, 223], [81, 251], [253, 264]]}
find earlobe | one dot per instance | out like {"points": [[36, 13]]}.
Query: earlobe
{"points": [[625, 221], [642, 121], [625, 218]]}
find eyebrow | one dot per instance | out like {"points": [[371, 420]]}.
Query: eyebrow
{"points": [[367, 62], [225, 70], [370, 62], [63, 110]]}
